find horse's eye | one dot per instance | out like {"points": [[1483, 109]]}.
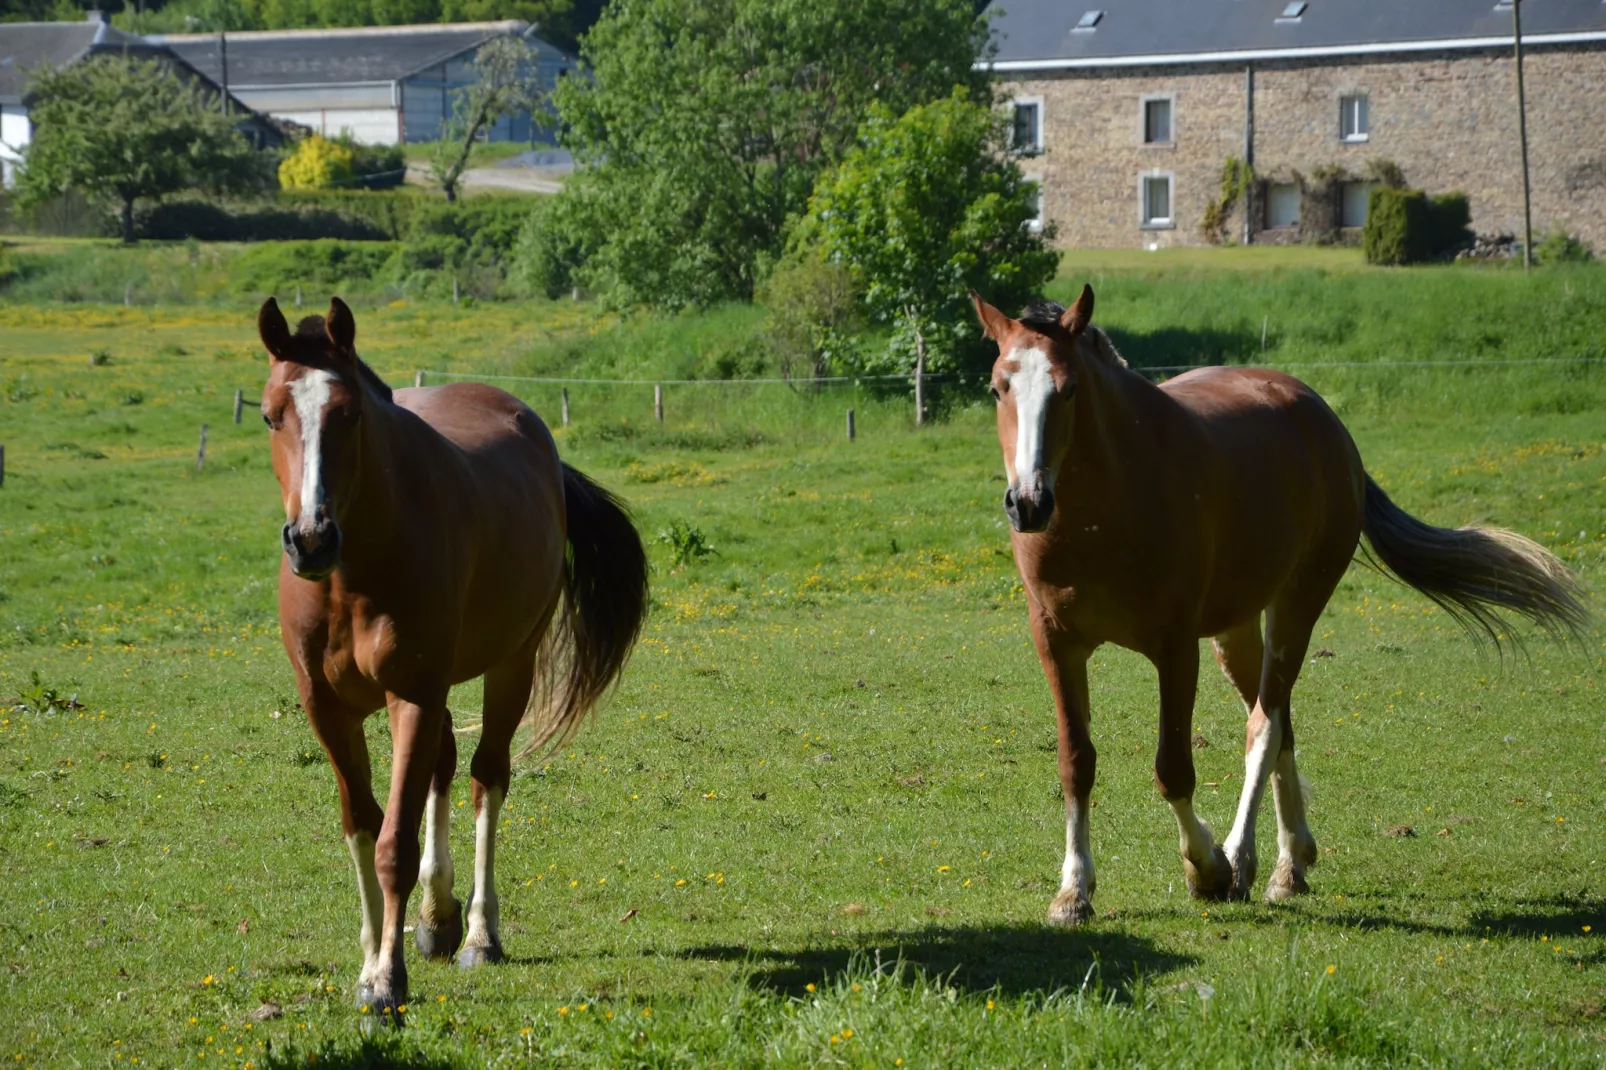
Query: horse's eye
{"points": [[267, 420], [993, 390]]}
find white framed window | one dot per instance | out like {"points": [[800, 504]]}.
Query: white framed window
{"points": [[1352, 118], [1354, 198], [1282, 204], [1034, 183], [1158, 116], [1155, 211], [1026, 131]]}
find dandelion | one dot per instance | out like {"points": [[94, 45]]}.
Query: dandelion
{"points": [[847, 1034], [680, 883], [563, 1010], [942, 869], [1331, 969], [991, 1004], [1587, 928], [809, 987]]}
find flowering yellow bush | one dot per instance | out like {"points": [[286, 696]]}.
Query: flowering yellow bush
{"points": [[316, 164]]}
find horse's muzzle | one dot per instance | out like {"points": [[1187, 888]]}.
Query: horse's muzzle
{"points": [[313, 552], [1029, 514]]}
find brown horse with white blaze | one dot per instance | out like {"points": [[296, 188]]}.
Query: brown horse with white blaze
{"points": [[432, 536], [1153, 516]]}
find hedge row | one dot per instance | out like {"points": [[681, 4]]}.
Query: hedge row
{"points": [[1406, 226]]}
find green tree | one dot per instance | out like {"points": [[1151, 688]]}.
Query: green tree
{"points": [[506, 82], [928, 207], [120, 128], [708, 122]]}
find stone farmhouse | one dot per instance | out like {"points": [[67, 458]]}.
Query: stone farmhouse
{"points": [[383, 85], [26, 46], [1126, 111]]}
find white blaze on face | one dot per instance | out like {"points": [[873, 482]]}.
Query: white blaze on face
{"points": [[1031, 385], [310, 393]]}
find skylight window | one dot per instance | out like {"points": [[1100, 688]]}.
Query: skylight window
{"points": [[1088, 22], [1294, 10]]}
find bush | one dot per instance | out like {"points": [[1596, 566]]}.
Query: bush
{"points": [[1559, 247], [375, 166], [317, 163], [1451, 215], [1399, 226], [205, 220], [552, 247], [391, 211], [473, 233], [814, 315], [280, 266]]}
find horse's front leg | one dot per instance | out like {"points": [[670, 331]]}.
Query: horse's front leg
{"points": [[1204, 865], [415, 729], [339, 729], [440, 915], [1065, 665]]}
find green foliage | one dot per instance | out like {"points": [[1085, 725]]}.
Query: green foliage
{"points": [[1237, 179], [925, 209], [1559, 247], [206, 220], [391, 212], [553, 246], [814, 315], [687, 544], [1398, 227], [709, 121], [471, 240], [1451, 218], [127, 129], [1405, 226], [506, 82], [278, 267]]}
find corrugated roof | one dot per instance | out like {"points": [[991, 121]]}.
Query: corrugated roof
{"points": [[1043, 32], [25, 46], [367, 54]]}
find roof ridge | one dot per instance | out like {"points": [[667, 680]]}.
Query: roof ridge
{"points": [[344, 31]]}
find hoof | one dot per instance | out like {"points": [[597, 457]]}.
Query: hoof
{"points": [[1243, 878], [378, 1012], [1286, 883], [441, 940], [1215, 882], [374, 1022], [471, 957], [1070, 911]]}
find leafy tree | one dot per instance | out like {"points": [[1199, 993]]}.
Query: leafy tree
{"points": [[814, 313], [708, 122], [317, 163], [928, 207], [506, 83], [121, 128]]}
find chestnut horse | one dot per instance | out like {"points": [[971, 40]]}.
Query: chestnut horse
{"points": [[1154, 516], [433, 536]]}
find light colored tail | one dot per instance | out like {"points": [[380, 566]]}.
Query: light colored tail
{"points": [[1474, 573]]}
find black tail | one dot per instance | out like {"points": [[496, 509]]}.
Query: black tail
{"points": [[1473, 573], [604, 607]]}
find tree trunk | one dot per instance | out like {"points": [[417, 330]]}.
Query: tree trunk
{"points": [[128, 221], [450, 189], [920, 371]]}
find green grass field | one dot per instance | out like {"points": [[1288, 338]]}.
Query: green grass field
{"points": [[825, 795]]}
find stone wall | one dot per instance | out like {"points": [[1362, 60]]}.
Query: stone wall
{"points": [[1448, 120]]}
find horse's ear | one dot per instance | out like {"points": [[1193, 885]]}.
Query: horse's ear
{"points": [[1076, 318], [994, 323], [341, 326], [274, 330]]}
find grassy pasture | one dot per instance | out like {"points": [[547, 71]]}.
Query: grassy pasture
{"points": [[826, 787]]}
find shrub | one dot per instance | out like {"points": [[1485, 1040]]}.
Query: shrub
{"points": [[1559, 247], [814, 314], [1398, 227], [204, 220], [317, 163], [552, 246], [391, 211], [1451, 215], [375, 166], [278, 266]]}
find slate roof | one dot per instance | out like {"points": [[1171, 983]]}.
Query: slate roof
{"points": [[27, 45], [1044, 34], [365, 55]]}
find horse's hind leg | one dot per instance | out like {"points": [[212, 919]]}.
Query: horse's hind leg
{"points": [[507, 694], [1270, 752], [1241, 654], [440, 915]]}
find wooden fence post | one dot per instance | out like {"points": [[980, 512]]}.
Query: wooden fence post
{"points": [[851, 433], [565, 406], [2, 465], [298, 295], [454, 290], [200, 455], [239, 404], [128, 293], [418, 377], [658, 401]]}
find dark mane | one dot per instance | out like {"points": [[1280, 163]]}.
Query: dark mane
{"points": [[312, 328], [1042, 315]]}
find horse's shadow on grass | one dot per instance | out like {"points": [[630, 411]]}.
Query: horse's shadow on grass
{"points": [[1015, 960], [388, 1053]]}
